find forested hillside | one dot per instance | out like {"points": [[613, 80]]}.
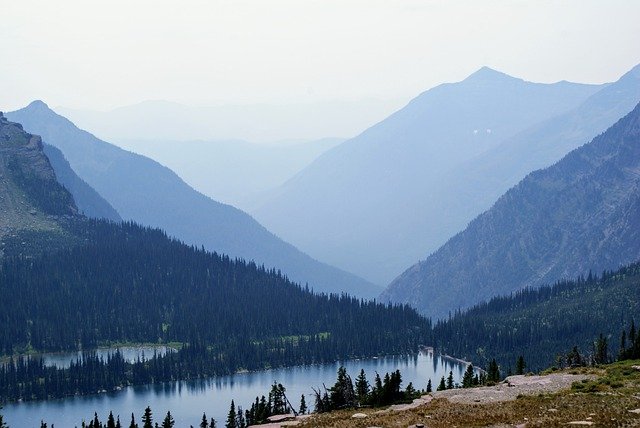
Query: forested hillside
{"points": [[543, 323], [134, 284]]}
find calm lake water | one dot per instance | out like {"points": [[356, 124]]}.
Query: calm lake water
{"points": [[189, 399]]}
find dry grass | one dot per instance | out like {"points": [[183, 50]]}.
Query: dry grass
{"points": [[605, 401]]}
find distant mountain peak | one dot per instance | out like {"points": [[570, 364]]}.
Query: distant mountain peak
{"points": [[487, 74], [38, 104]]}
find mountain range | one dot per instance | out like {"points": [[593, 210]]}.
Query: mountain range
{"points": [[372, 202], [581, 214], [144, 191]]}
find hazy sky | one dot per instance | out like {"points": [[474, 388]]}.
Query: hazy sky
{"points": [[103, 54]]}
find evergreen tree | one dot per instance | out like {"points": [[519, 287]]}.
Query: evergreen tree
{"points": [[442, 386], [362, 387], [118, 425], [168, 421], [520, 365], [467, 378], [341, 394], [2, 423], [623, 346], [231, 417], [212, 423], [303, 406], [277, 398], [429, 387], [147, 418], [493, 373], [111, 422], [240, 421], [410, 391], [601, 354], [133, 423], [450, 380], [204, 423]]}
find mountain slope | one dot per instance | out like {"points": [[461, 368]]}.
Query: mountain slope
{"points": [[580, 214], [364, 197], [146, 192], [89, 202], [542, 323], [475, 185]]}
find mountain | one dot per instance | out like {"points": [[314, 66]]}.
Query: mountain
{"points": [[110, 282], [89, 202], [581, 214], [144, 191], [232, 171], [365, 199], [474, 186]]}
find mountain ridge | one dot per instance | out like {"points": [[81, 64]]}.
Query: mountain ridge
{"points": [[361, 195], [144, 191], [580, 214]]}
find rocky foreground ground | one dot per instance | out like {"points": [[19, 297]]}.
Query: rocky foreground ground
{"points": [[607, 396]]}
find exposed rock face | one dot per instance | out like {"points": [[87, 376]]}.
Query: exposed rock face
{"points": [[31, 199], [580, 214], [27, 175]]}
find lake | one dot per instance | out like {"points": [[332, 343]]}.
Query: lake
{"points": [[187, 400]]}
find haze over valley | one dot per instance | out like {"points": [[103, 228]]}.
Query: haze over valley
{"points": [[322, 214]]}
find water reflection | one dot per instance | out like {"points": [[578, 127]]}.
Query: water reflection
{"points": [[187, 400]]}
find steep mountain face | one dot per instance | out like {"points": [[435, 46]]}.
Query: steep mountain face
{"points": [[89, 202], [580, 214], [31, 199], [474, 186], [364, 199], [144, 191]]}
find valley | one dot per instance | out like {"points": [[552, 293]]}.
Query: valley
{"points": [[281, 213]]}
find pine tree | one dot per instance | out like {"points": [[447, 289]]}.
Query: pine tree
{"points": [[520, 365], [493, 373], [212, 423], [118, 425], [303, 406], [362, 387], [450, 380], [410, 391], [623, 346], [601, 354], [231, 417], [429, 387], [442, 385], [240, 421], [133, 423], [111, 423], [168, 421], [147, 418], [467, 378], [204, 423], [2, 423]]}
